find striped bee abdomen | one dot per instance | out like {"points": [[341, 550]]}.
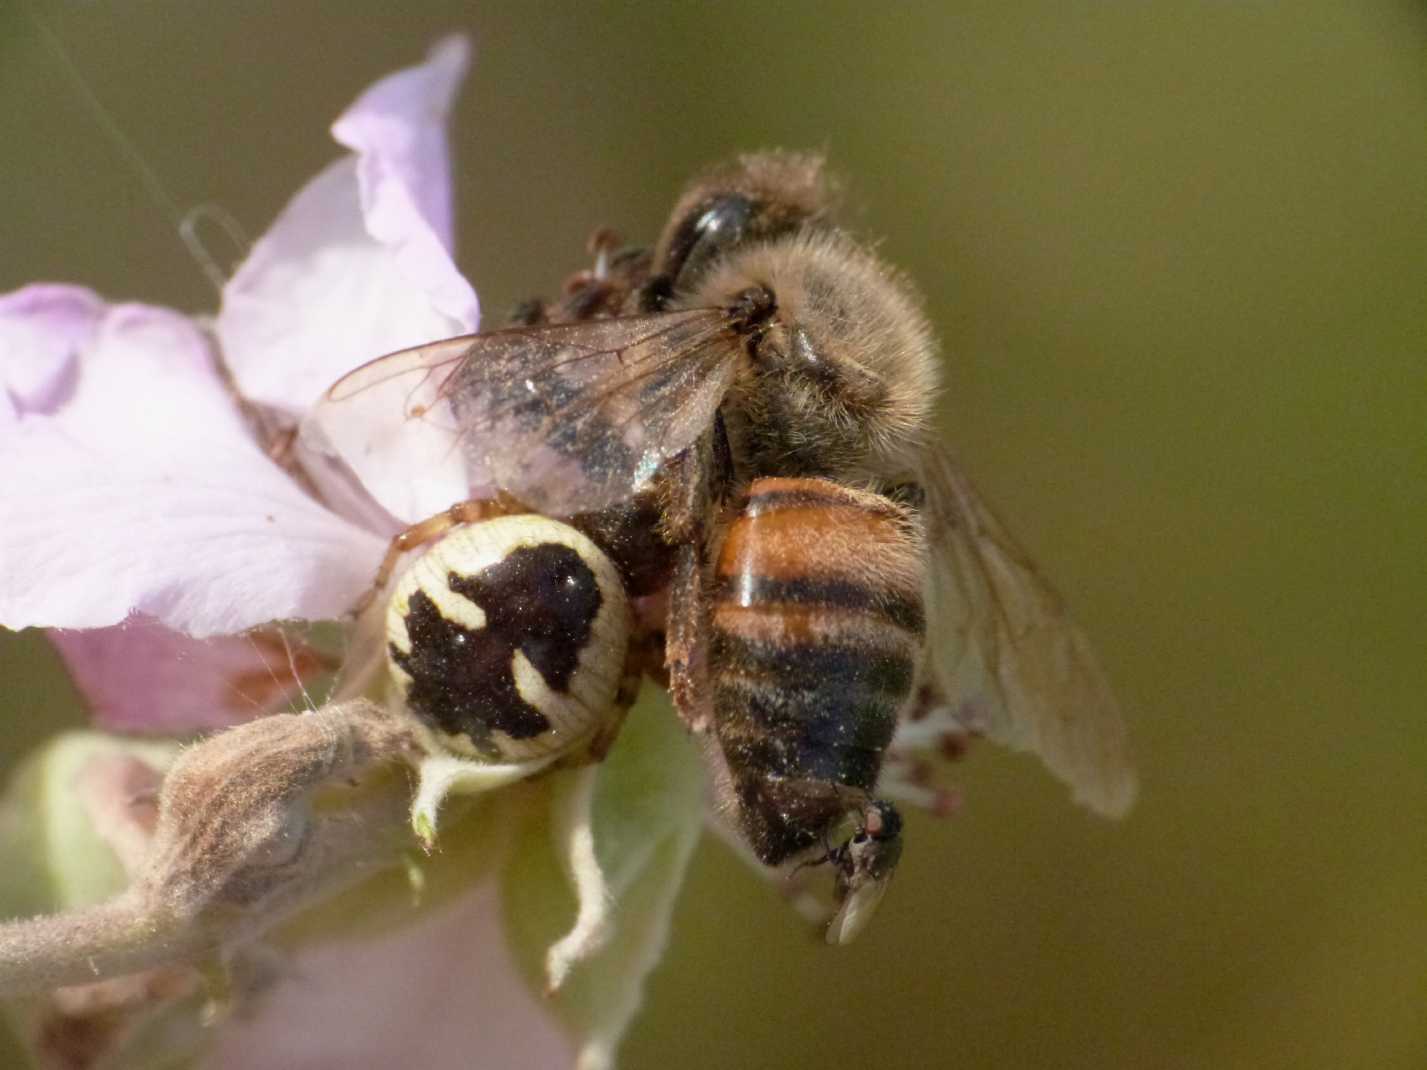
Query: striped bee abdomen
{"points": [[817, 625]]}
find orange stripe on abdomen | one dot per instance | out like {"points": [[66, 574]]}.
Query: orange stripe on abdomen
{"points": [[814, 638]]}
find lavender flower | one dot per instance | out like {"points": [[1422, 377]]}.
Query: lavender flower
{"points": [[154, 521]]}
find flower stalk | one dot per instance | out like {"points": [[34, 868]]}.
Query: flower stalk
{"points": [[254, 824]]}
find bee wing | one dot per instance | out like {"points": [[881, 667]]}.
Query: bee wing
{"points": [[583, 415], [1007, 655], [386, 430], [563, 417]]}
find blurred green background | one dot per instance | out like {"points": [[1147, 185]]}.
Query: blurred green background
{"points": [[1177, 253]]}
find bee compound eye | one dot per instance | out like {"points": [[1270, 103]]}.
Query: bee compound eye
{"points": [[706, 233], [506, 638]]}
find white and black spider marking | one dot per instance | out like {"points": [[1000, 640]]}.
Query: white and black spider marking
{"points": [[507, 638]]}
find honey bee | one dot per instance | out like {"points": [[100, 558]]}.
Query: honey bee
{"points": [[742, 420]]}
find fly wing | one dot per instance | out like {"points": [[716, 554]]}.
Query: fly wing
{"points": [[386, 430], [568, 417], [1004, 651]]}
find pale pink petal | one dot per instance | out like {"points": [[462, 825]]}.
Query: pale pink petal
{"points": [[146, 492], [142, 677], [441, 995], [345, 492], [397, 128], [357, 263], [42, 329]]}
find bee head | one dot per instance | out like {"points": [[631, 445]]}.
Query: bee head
{"points": [[841, 379], [757, 197]]}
